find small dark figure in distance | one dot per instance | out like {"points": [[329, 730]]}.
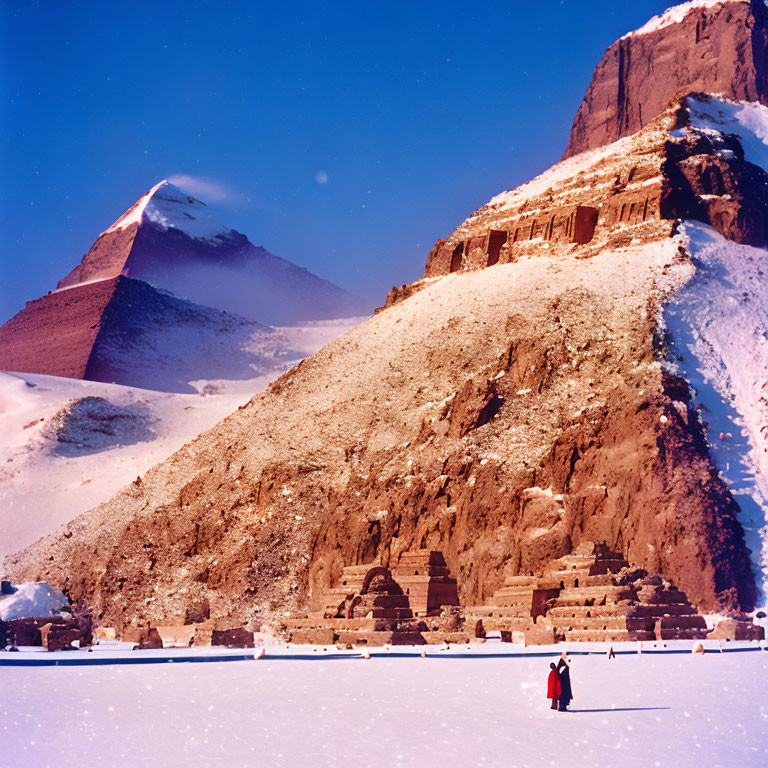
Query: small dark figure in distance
{"points": [[564, 670], [553, 685]]}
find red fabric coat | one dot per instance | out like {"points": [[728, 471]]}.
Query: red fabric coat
{"points": [[553, 685]]}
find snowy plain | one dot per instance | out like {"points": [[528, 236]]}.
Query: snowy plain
{"points": [[464, 707]]}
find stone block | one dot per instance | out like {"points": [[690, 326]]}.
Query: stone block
{"points": [[540, 636], [681, 628], [737, 629], [104, 633], [176, 636], [135, 634], [59, 637], [315, 636], [27, 631], [232, 638]]}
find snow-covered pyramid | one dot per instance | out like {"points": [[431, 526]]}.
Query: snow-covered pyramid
{"points": [[170, 240], [167, 296]]}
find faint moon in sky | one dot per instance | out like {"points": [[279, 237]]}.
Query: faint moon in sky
{"points": [[321, 177]]}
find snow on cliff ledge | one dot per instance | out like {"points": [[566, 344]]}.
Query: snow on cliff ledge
{"points": [[168, 207], [746, 120], [676, 14]]}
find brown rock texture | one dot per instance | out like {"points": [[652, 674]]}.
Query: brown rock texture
{"points": [[719, 49], [106, 258], [501, 416], [638, 187], [504, 409]]}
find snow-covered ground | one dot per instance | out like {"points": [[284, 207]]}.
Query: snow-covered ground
{"points": [[718, 328], [718, 331], [56, 462], [636, 710]]}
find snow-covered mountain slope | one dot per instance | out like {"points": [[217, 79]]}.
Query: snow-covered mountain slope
{"points": [[55, 464], [717, 331], [68, 445], [746, 120], [169, 239]]}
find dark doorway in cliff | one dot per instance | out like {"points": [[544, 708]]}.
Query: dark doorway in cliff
{"points": [[458, 253], [496, 240], [584, 223]]}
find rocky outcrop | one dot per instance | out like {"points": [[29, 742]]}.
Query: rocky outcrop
{"points": [[501, 418], [636, 188], [709, 46], [517, 401]]}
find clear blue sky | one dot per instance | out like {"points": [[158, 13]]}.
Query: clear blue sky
{"points": [[416, 112]]}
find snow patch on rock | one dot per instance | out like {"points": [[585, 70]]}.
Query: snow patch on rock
{"points": [[91, 424], [718, 334], [746, 120], [32, 599]]}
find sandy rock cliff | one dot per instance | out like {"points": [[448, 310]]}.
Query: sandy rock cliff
{"points": [[521, 398]]}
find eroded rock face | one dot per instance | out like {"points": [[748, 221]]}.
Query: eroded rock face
{"points": [[715, 48], [501, 416]]}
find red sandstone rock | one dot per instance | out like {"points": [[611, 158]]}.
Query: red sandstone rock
{"points": [[76, 316], [59, 637], [719, 49], [124, 330], [27, 631]]}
